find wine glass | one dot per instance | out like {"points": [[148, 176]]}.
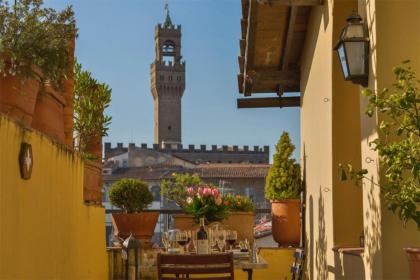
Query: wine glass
{"points": [[221, 239], [182, 239], [165, 240], [193, 240], [231, 236], [212, 238]]}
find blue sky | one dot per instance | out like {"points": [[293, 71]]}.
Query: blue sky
{"points": [[116, 43]]}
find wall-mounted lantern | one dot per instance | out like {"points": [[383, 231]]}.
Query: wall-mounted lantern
{"points": [[353, 50]]}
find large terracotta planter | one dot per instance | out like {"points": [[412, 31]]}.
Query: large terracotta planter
{"points": [[18, 97], [242, 222], [413, 256], [285, 216], [141, 225], [49, 113], [92, 182], [94, 147]]}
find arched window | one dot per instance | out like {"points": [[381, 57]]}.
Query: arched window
{"points": [[168, 52], [168, 47]]}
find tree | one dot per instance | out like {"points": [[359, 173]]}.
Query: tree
{"points": [[283, 180], [398, 144]]}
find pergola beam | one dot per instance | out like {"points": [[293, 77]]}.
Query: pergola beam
{"points": [[268, 102], [292, 2], [289, 38], [250, 42]]}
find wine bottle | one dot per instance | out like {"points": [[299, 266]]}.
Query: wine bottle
{"points": [[202, 239]]}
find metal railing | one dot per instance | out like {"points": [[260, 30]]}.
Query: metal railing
{"points": [[165, 220]]}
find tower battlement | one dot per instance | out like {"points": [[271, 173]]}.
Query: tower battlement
{"points": [[167, 31], [197, 153], [188, 148]]}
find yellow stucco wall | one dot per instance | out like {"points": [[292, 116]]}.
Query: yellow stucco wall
{"points": [[330, 134], [394, 34], [316, 140], [46, 231]]}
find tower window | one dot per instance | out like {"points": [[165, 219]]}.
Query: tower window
{"points": [[162, 77], [169, 127], [168, 47], [178, 78], [170, 78]]}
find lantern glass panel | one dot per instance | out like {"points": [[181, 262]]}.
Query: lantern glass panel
{"points": [[354, 31], [356, 57], [343, 60]]}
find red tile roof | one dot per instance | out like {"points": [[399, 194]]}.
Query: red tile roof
{"points": [[204, 170]]}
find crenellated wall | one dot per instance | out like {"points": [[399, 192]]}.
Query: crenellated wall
{"points": [[198, 154], [47, 232]]}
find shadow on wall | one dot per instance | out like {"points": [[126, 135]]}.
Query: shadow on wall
{"points": [[348, 267], [321, 264], [372, 230]]}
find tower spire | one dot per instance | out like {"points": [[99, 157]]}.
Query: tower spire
{"points": [[168, 21]]}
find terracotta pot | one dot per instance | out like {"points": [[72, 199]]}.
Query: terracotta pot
{"points": [[94, 147], [49, 113], [242, 222], [413, 256], [92, 182], [141, 225], [285, 216], [18, 97]]}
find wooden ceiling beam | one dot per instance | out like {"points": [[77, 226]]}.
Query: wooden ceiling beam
{"points": [[250, 42], [269, 81], [241, 61], [244, 27], [292, 2], [242, 46], [268, 102], [289, 38]]}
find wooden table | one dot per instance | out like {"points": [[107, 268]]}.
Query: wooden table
{"points": [[245, 264], [249, 266]]}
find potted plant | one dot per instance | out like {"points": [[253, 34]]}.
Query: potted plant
{"points": [[283, 188], [241, 215], [91, 98], [132, 197], [205, 200], [398, 147], [34, 48]]}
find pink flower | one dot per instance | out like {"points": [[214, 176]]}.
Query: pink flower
{"points": [[190, 191], [215, 192], [200, 191], [207, 191]]}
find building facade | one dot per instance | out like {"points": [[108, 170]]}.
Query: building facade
{"points": [[298, 51]]}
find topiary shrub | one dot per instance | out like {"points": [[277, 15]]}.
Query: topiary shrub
{"points": [[130, 195], [283, 180]]}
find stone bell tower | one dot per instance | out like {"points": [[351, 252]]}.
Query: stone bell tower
{"points": [[167, 77]]}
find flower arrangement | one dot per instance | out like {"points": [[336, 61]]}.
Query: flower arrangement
{"points": [[203, 200]]}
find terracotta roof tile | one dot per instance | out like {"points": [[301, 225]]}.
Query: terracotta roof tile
{"points": [[204, 170]]}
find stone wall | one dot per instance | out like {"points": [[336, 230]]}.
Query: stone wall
{"points": [[199, 154]]}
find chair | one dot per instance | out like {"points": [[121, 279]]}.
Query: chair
{"points": [[298, 264], [215, 266]]}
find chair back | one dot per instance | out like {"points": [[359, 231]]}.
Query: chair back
{"points": [[215, 266]]}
